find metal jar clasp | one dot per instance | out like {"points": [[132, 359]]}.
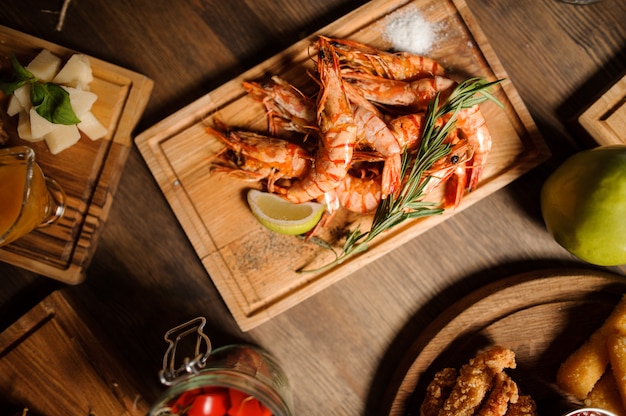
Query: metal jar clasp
{"points": [[171, 371]]}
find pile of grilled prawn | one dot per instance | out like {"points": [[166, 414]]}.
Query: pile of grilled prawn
{"points": [[368, 110]]}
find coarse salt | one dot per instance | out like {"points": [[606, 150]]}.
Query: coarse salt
{"points": [[408, 31]]}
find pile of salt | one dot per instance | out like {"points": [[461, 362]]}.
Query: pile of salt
{"points": [[408, 31]]}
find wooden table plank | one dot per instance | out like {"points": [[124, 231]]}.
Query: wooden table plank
{"points": [[340, 347]]}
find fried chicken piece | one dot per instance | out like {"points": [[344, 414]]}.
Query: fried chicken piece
{"points": [[525, 406], [605, 395], [504, 391], [583, 368], [475, 380], [438, 391]]}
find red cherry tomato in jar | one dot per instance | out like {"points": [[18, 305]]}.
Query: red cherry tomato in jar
{"points": [[184, 401], [243, 404], [214, 403]]}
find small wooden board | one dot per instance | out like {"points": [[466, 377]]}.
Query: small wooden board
{"points": [[542, 316], [255, 269], [605, 120], [88, 172], [55, 364]]}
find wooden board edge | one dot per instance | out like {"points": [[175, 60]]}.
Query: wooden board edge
{"points": [[57, 309], [534, 139], [176, 197], [593, 119]]}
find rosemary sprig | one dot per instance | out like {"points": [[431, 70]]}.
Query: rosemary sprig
{"points": [[393, 211]]}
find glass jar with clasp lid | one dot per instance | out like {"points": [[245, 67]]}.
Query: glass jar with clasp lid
{"points": [[235, 380]]}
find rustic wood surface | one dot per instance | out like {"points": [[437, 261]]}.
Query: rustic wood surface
{"points": [[341, 347]]}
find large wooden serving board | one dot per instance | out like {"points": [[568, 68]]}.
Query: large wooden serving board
{"points": [[542, 316], [255, 269], [88, 171]]}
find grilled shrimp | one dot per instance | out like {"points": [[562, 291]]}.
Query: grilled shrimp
{"points": [[472, 125], [471, 128], [400, 65], [442, 170], [374, 133], [337, 131], [360, 192], [287, 108], [414, 95], [408, 129], [256, 157]]}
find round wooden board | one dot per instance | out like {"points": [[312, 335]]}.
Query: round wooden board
{"points": [[542, 316]]}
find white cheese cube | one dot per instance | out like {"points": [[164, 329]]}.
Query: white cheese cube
{"points": [[23, 127], [61, 138], [75, 73], [22, 94], [81, 100], [45, 65], [39, 126], [14, 107], [92, 128]]}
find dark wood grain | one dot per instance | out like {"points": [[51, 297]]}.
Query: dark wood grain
{"points": [[340, 347]]}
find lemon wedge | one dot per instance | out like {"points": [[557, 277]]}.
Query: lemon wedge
{"points": [[282, 216]]}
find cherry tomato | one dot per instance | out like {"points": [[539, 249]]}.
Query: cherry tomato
{"points": [[215, 403], [243, 404], [184, 400]]}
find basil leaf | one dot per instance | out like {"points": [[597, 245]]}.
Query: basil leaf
{"points": [[53, 103], [21, 73], [37, 93], [21, 77], [49, 100], [9, 87]]}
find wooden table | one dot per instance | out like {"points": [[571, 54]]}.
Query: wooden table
{"points": [[340, 347]]}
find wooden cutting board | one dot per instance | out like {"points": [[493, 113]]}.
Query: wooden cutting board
{"points": [[605, 119], [55, 364], [88, 172], [254, 269], [542, 316]]}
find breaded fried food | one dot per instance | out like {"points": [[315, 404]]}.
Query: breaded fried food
{"points": [[605, 395], [525, 406], [584, 367], [504, 391], [616, 346], [438, 391], [475, 380]]}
